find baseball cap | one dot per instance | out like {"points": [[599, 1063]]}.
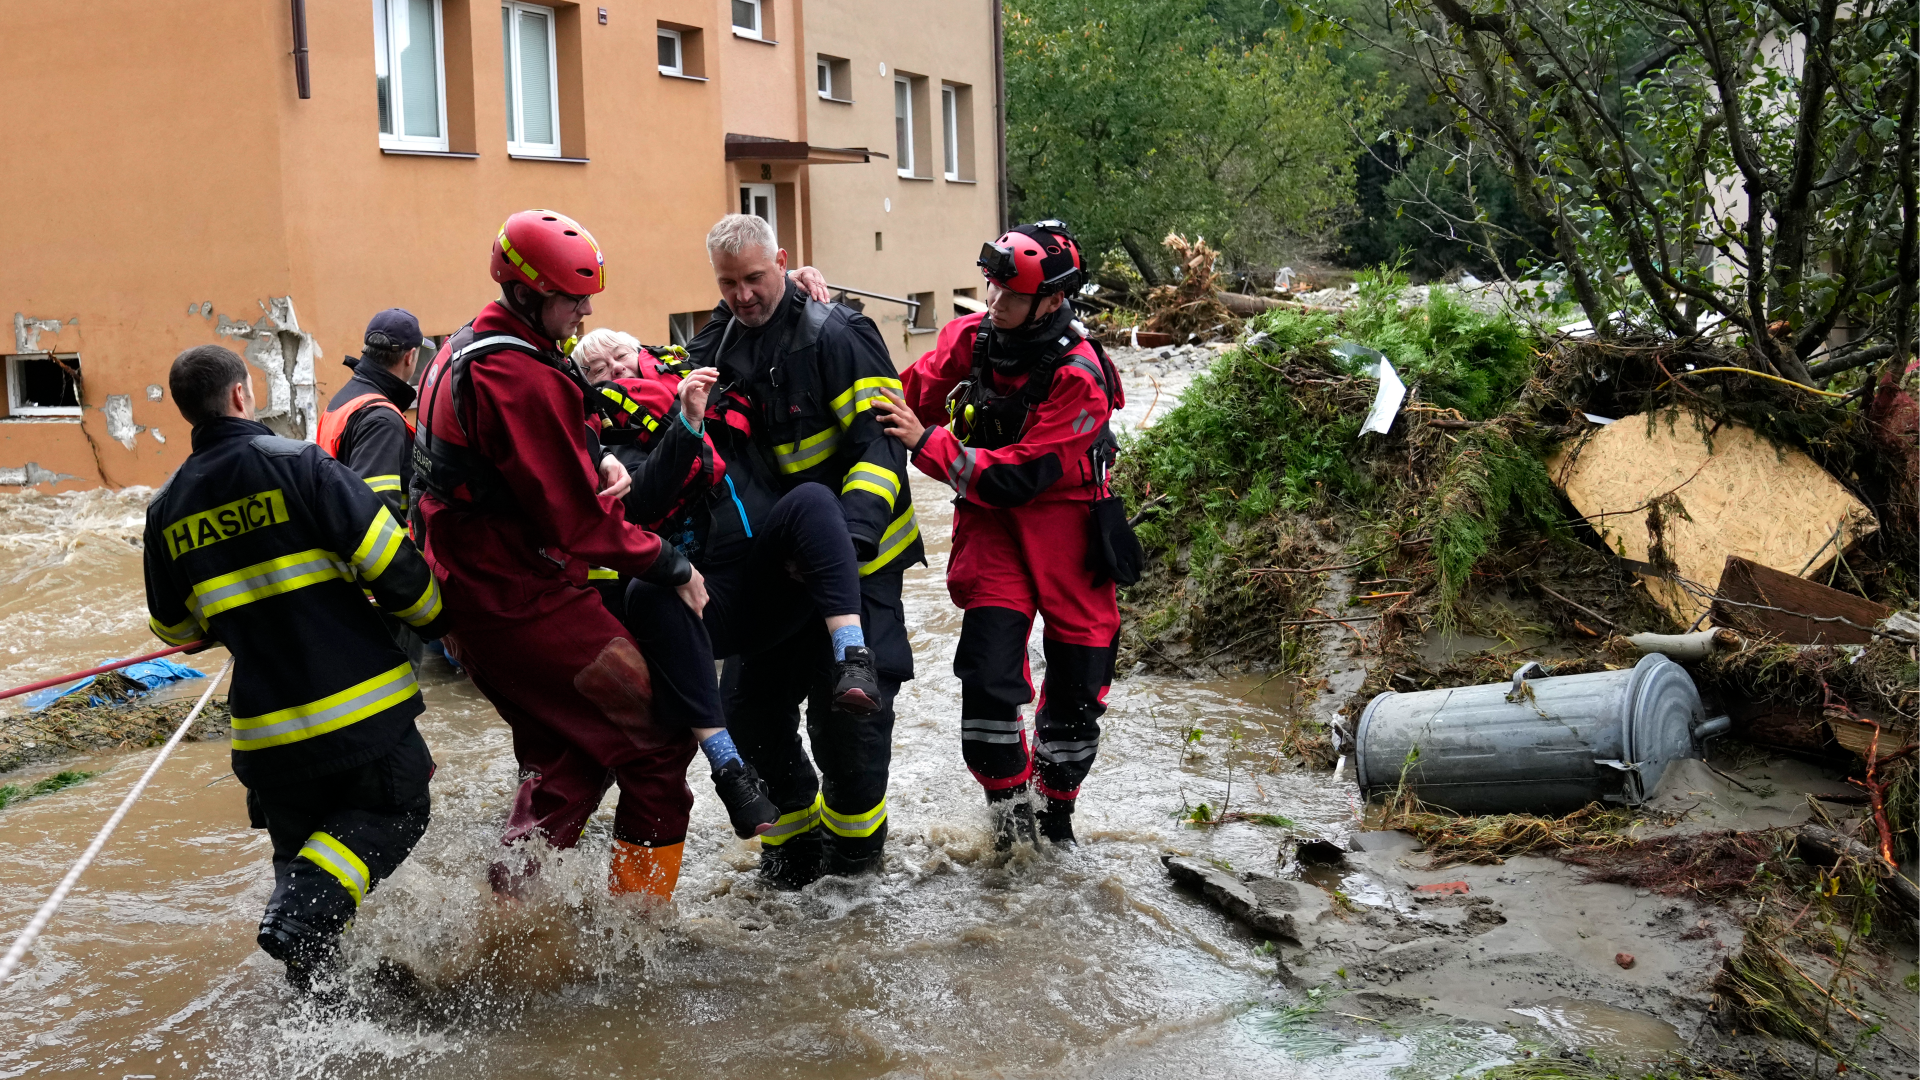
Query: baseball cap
{"points": [[394, 328]]}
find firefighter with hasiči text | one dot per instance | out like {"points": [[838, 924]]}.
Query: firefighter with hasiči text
{"points": [[265, 544], [1015, 404], [518, 503]]}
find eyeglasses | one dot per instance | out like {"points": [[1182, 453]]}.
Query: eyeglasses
{"points": [[577, 302]]}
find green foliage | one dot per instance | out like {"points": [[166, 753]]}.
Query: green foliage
{"points": [[1461, 358], [1132, 119], [15, 793], [1491, 481]]}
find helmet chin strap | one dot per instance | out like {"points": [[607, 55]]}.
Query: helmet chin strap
{"points": [[530, 316]]}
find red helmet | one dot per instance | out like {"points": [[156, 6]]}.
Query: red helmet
{"points": [[549, 253], [1035, 259]]}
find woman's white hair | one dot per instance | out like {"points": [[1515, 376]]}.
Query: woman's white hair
{"points": [[601, 344], [736, 233]]}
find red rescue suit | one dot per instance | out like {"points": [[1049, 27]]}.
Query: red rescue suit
{"points": [[513, 556], [1021, 533]]}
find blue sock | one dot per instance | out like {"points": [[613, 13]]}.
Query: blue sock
{"points": [[847, 636], [719, 748]]}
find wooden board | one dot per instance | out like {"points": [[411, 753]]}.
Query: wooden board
{"points": [[1749, 582], [1725, 491]]}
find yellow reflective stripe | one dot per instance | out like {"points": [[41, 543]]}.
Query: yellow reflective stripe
{"points": [[506, 249], [339, 860], [901, 532], [860, 396], [330, 713], [857, 825], [379, 546], [424, 610], [620, 399], [601, 573], [181, 633], [866, 476], [792, 825], [264, 579], [803, 455], [389, 482]]}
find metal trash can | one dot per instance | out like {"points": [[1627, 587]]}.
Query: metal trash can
{"points": [[1540, 744]]}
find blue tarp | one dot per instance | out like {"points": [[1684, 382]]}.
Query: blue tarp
{"points": [[150, 674]]}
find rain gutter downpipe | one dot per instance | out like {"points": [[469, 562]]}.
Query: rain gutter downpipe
{"points": [[302, 78], [999, 104]]}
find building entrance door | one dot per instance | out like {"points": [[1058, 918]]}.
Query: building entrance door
{"points": [[758, 200]]}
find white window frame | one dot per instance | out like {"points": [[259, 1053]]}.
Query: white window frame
{"points": [[903, 97], [758, 29], [950, 129], [517, 146], [679, 52], [14, 408], [823, 76], [384, 38]]}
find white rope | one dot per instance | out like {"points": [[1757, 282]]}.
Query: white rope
{"points": [[45, 915]]}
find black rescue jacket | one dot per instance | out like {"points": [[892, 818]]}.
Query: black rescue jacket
{"points": [[265, 544], [801, 390], [377, 444]]}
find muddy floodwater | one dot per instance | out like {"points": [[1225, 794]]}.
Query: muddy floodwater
{"points": [[953, 962]]}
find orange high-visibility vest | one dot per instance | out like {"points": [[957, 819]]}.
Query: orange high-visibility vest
{"points": [[333, 422]]}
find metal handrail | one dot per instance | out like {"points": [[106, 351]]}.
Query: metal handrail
{"points": [[913, 305]]}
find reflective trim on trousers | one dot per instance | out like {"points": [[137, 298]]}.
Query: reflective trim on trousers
{"points": [[330, 713], [1060, 750], [990, 731], [855, 825], [339, 860], [792, 825]]}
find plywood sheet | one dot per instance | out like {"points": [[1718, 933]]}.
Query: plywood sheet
{"points": [[1742, 497]]}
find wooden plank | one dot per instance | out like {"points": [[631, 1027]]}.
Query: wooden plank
{"points": [[1749, 582]]}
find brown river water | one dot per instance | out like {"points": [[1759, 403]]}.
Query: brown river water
{"points": [[951, 963]]}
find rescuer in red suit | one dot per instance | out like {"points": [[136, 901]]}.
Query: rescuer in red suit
{"points": [[1015, 405], [517, 502]]}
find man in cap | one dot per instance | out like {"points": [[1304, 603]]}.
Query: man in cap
{"points": [[365, 426]]}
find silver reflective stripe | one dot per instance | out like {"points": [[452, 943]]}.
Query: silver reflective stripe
{"points": [[960, 470], [270, 577], [497, 339], [1068, 749], [991, 731], [1084, 423], [320, 853], [402, 678], [369, 564]]}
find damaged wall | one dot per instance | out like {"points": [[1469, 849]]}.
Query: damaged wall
{"points": [[284, 355]]}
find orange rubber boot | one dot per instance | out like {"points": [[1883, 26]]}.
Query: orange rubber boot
{"points": [[639, 870]]}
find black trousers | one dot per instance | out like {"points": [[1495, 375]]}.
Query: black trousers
{"points": [[763, 690], [337, 836]]}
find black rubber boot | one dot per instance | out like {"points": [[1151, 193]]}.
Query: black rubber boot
{"points": [[1012, 818], [856, 689], [795, 864], [748, 805], [310, 955], [846, 860], [1056, 823]]}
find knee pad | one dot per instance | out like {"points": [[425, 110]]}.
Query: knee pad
{"points": [[619, 683]]}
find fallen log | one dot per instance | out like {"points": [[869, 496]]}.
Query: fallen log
{"points": [[1827, 846]]}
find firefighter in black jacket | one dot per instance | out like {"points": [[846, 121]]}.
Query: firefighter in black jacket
{"points": [[265, 544], [799, 377]]}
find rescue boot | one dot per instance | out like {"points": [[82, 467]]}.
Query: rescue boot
{"points": [[795, 864], [745, 795], [309, 954], [642, 870], [856, 687], [1056, 823], [840, 862], [1012, 818]]}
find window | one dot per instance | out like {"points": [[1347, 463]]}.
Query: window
{"points": [[956, 131], [746, 18], [760, 201], [533, 87], [43, 385], [670, 56], [967, 301], [950, 130], [683, 325], [903, 125], [834, 78], [924, 318], [410, 72]]}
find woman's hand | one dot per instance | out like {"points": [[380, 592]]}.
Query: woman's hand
{"points": [[614, 478], [694, 391], [694, 592], [898, 420], [812, 282]]}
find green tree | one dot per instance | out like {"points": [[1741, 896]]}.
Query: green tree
{"points": [[1133, 118]]}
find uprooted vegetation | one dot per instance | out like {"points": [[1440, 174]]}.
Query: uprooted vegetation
{"points": [[124, 717]]}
